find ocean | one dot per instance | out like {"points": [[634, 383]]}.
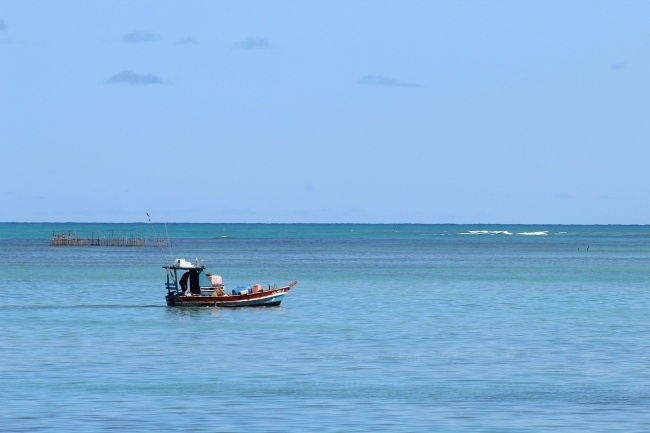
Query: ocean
{"points": [[401, 328]]}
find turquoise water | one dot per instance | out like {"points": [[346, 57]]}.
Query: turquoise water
{"points": [[391, 328]]}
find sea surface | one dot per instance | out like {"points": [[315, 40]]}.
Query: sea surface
{"points": [[401, 328]]}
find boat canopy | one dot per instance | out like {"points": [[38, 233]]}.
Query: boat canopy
{"points": [[182, 268], [184, 264]]}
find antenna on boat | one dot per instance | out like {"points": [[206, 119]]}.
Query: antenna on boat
{"points": [[161, 247], [169, 243]]}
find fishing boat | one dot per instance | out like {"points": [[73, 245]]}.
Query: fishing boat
{"points": [[207, 290]]}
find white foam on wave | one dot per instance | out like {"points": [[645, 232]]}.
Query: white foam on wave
{"points": [[544, 233], [486, 232]]}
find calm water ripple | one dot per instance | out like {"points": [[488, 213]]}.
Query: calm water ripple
{"points": [[391, 328]]}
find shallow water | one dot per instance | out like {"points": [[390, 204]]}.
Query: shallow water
{"points": [[391, 327]]}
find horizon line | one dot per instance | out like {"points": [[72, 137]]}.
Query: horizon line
{"points": [[330, 223]]}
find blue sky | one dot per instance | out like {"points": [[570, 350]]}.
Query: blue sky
{"points": [[325, 111]]}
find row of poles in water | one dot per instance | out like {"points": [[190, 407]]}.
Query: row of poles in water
{"points": [[69, 238]]}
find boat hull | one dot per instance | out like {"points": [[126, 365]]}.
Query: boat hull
{"points": [[267, 298]]}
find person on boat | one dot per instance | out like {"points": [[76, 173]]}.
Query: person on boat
{"points": [[195, 287], [183, 281], [193, 278]]}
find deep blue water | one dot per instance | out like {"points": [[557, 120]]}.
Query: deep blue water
{"points": [[390, 328]]}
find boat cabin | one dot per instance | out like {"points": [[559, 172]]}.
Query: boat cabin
{"points": [[184, 276]]}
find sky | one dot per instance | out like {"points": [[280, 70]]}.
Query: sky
{"points": [[532, 112]]}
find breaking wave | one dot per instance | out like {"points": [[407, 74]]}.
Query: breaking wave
{"points": [[503, 232], [486, 232]]}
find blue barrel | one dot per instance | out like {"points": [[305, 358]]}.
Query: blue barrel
{"points": [[242, 290]]}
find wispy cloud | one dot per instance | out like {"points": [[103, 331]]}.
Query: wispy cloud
{"points": [[379, 80], [252, 43], [134, 79], [187, 40], [618, 66], [3, 25], [139, 36]]}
